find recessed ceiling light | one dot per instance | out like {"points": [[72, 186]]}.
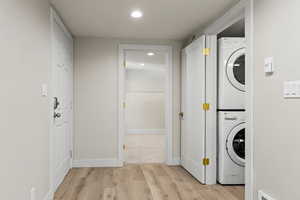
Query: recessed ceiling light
{"points": [[150, 54], [136, 14], [142, 64]]}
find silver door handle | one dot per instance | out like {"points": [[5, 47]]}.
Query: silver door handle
{"points": [[56, 103], [57, 115]]}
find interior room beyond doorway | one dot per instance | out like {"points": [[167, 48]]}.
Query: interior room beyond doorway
{"points": [[145, 85]]}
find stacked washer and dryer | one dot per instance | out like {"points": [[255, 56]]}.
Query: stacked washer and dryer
{"points": [[231, 111]]}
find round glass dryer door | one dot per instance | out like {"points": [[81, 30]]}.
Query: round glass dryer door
{"points": [[235, 144], [235, 69]]}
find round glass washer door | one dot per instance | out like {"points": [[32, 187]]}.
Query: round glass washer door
{"points": [[235, 144], [235, 69]]}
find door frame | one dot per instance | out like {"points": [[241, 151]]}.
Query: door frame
{"points": [[211, 114], [169, 98], [243, 9], [55, 18]]}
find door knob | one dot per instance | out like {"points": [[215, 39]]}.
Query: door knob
{"points": [[181, 115], [56, 115]]}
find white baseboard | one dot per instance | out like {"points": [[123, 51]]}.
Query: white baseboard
{"points": [[174, 162], [64, 169], [49, 196], [97, 163]]}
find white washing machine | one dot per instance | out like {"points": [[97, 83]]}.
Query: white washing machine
{"points": [[231, 152], [231, 73]]}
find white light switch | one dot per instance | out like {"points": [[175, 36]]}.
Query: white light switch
{"points": [[44, 90], [269, 65], [291, 89]]}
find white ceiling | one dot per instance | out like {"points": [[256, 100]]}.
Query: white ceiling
{"points": [[163, 19]]}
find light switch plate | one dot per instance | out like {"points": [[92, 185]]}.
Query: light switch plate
{"points": [[291, 89], [44, 90], [269, 65]]}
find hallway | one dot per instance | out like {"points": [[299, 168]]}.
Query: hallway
{"points": [[149, 100], [141, 182]]}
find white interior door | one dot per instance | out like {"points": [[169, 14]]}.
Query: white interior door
{"points": [[193, 98], [62, 83]]}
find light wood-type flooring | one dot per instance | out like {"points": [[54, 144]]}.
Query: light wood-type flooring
{"points": [[141, 182]]}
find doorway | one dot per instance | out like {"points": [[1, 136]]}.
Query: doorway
{"points": [[145, 81], [145, 112], [231, 105], [242, 13]]}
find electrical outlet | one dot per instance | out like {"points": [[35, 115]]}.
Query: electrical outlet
{"points": [[33, 194], [264, 196]]}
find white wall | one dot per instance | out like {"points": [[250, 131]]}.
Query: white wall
{"points": [[96, 97], [276, 120], [24, 129]]}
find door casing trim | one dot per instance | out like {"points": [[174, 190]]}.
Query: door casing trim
{"points": [[244, 9]]}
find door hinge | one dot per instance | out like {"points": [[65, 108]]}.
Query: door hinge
{"points": [[124, 63], [71, 154], [206, 106], [124, 105], [205, 161], [124, 147], [206, 51]]}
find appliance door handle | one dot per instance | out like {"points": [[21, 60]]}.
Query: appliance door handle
{"points": [[230, 118], [239, 141]]}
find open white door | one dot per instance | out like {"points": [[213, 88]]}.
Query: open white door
{"points": [[194, 120], [62, 87]]}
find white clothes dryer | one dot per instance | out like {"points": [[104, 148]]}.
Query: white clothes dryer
{"points": [[231, 81]]}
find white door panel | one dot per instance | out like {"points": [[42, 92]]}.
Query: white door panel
{"points": [[193, 97], [62, 84]]}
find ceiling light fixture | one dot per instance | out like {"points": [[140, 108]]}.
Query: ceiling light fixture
{"points": [[136, 14], [142, 64], [150, 54]]}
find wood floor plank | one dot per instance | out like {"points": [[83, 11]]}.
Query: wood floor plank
{"points": [[184, 186], [138, 186], [121, 179], [154, 185], [141, 182], [109, 194]]}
